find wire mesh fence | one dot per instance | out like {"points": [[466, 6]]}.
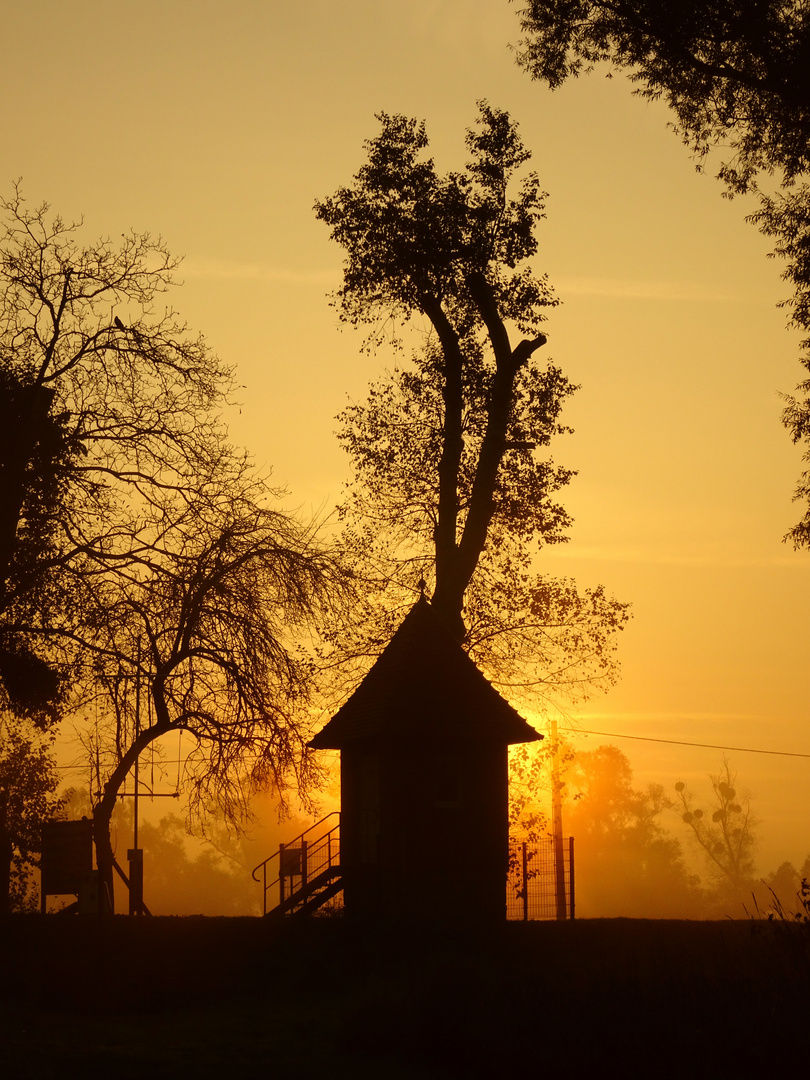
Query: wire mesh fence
{"points": [[540, 883]]}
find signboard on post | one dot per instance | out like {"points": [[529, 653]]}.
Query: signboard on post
{"points": [[67, 855]]}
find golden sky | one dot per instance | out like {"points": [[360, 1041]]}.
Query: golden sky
{"points": [[218, 125]]}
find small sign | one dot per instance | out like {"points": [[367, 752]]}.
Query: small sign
{"points": [[290, 862]]}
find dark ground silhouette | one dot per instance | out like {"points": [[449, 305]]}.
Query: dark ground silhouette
{"points": [[202, 997]]}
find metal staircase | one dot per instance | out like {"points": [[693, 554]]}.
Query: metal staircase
{"points": [[307, 869]]}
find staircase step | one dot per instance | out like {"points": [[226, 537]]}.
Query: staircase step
{"points": [[312, 891], [319, 899]]}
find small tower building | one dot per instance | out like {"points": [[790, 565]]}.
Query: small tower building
{"points": [[423, 747]]}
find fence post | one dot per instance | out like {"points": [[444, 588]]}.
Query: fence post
{"points": [[303, 863], [559, 877], [524, 861], [281, 873], [571, 876]]}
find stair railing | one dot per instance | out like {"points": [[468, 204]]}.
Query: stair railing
{"points": [[303, 858]]}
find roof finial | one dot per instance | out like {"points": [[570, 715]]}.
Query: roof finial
{"points": [[422, 585]]}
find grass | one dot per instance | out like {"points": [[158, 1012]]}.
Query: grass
{"points": [[240, 997]]}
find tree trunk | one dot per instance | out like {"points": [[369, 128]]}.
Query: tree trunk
{"points": [[102, 811], [104, 852], [457, 558], [447, 600]]}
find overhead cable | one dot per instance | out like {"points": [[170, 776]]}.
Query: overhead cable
{"points": [[682, 742]]}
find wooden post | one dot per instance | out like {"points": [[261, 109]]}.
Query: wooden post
{"points": [[135, 856]]}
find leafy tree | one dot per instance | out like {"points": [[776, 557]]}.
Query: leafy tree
{"points": [[627, 863], [724, 831], [32, 486], [34, 456], [530, 791], [734, 73], [28, 782], [452, 475]]}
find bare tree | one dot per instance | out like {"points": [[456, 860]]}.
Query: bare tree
{"points": [[109, 404], [158, 560], [198, 635], [725, 830]]}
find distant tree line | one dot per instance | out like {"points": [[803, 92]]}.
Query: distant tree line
{"points": [[630, 859]]}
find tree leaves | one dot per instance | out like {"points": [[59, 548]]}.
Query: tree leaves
{"points": [[412, 236], [454, 483], [28, 781], [734, 74]]}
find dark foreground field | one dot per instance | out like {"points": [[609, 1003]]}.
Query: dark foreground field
{"points": [[232, 998]]}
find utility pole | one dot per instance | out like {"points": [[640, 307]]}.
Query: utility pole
{"points": [[556, 824]]}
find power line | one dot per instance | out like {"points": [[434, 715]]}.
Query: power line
{"points": [[681, 742]]}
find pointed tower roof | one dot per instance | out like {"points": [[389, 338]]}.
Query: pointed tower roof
{"points": [[424, 686]]}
